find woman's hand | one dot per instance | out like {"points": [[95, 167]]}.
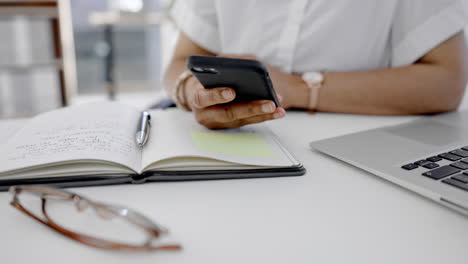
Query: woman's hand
{"points": [[211, 108]]}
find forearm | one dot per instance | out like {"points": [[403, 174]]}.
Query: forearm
{"points": [[414, 89], [433, 84]]}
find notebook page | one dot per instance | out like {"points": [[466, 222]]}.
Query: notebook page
{"points": [[99, 131], [9, 127], [175, 134]]}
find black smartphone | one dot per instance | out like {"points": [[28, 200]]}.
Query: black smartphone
{"points": [[249, 78]]}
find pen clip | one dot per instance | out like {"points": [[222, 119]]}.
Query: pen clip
{"points": [[144, 129]]}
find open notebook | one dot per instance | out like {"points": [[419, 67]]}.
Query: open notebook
{"points": [[95, 144]]}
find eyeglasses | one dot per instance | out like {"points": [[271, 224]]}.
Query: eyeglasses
{"points": [[89, 222]]}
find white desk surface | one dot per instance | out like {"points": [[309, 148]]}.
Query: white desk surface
{"points": [[334, 214]]}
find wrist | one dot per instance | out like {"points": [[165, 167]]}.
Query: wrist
{"points": [[179, 92], [299, 94], [189, 87]]}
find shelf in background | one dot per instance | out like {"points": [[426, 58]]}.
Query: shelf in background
{"points": [[29, 8], [56, 64], [116, 18]]}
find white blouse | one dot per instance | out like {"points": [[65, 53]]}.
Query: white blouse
{"points": [[322, 35]]}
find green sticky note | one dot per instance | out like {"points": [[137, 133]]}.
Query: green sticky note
{"points": [[246, 145]]}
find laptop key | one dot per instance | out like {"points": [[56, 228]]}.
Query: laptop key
{"points": [[461, 177], [465, 148], [422, 163], [456, 183], [460, 152], [410, 166], [450, 157], [434, 159], [441, 172], [460, 165], [432, 165]]}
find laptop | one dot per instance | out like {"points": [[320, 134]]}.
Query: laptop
{"points": [[428, 156]]}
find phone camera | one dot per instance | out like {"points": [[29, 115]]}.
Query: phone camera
{"points": [[204, 70]]}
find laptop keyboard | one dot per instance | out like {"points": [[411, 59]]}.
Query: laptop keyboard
{"points": [[454, 174]]}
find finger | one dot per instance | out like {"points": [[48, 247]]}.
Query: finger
{"points": [[234, 112], [278, 114], [203, 98]]}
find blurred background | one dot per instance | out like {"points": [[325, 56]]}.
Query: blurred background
{"points": [[62, 52], [55, 53]]}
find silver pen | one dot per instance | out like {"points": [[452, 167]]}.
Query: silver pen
{"points": [[143, 129]]}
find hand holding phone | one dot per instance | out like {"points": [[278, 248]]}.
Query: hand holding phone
{"points": [[249, 78], [222, 102]]}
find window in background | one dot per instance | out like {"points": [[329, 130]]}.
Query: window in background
{"points": [[136, 46]]}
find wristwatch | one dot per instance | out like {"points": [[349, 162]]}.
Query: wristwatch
{"points": [[314, 81]]}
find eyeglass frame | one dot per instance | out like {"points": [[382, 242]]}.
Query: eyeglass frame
{"points": [[103, 210]]}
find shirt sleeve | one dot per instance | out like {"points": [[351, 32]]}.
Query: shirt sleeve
{"points": [[421, 25], [198, 20]]}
